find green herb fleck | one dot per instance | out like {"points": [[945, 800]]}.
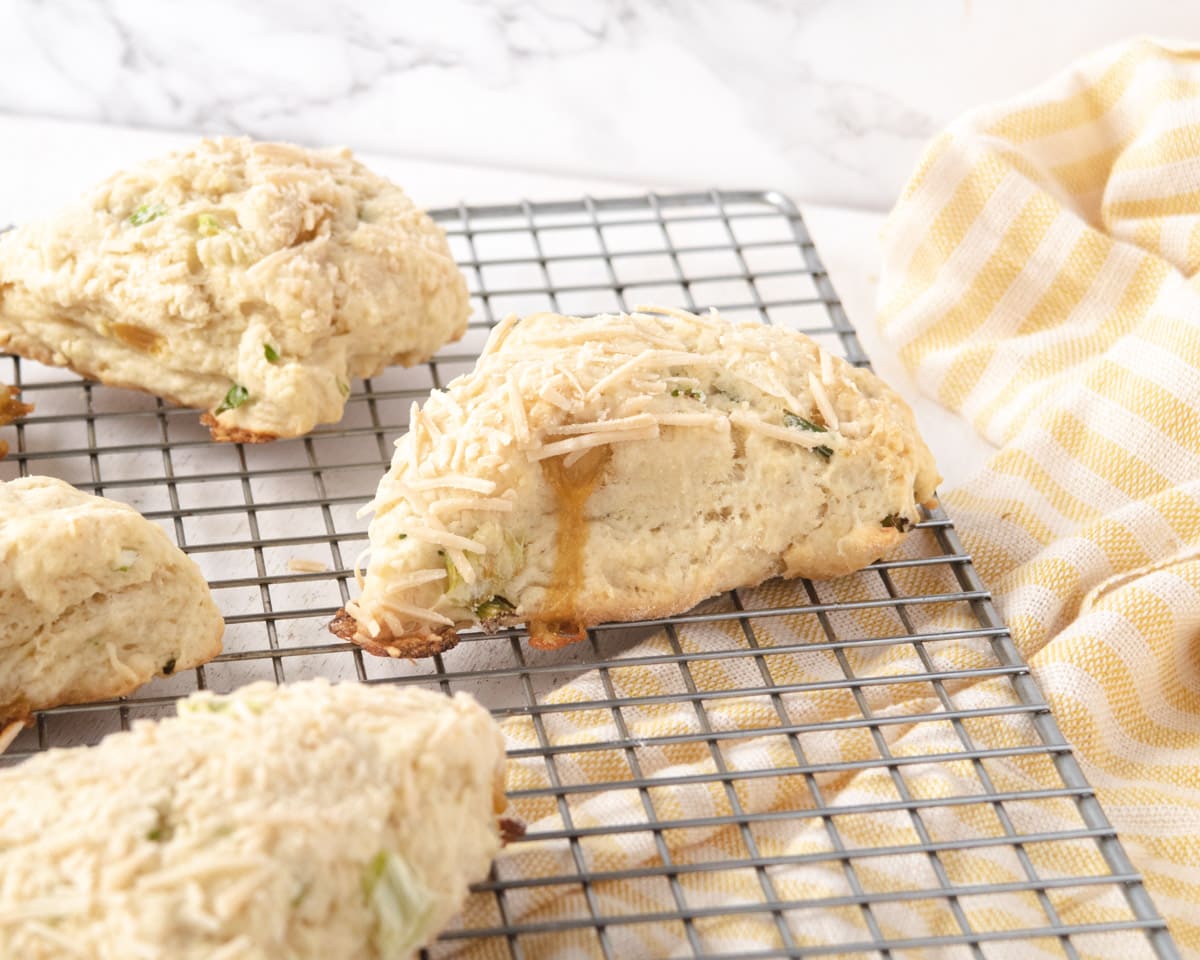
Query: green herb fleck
{"points": [[493, 608], [124, 569], [343, 387], [897, 521], [402, 536], [453, 578], [270, 353], [690, 394], [798, 422], [236, 396], [795, 420], [162, 829], [147, 212], [169, 667], [207, 225]]}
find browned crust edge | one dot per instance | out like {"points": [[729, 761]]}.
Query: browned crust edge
{"points": [[552, 632], [20, 711], [10, 407], [411, 647], [511, 830], [39, 352], [224, 434], [33, 350]]}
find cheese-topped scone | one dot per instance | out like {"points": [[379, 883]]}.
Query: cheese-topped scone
{"points": [[627, 467], [11, 408], [95, 600], [251, 280], [310, 821]]}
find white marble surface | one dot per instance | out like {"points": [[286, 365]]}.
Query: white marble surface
{"points": [[828, 102], [45, 162]]}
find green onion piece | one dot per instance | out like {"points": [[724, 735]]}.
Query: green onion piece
{"points": [[207, 225], [794, 420], [236, 396], [800, 423], [404, 908], [493, 608], [453, 578], [270, 353], [147, 212], [162, 830], [373, 871]]}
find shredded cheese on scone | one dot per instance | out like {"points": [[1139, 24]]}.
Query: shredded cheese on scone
{"points": [[479, 484], [307, 821]]}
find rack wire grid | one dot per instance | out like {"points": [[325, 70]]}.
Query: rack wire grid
{"points": [[857, 767]]}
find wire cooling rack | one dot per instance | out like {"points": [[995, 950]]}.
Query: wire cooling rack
{"points": [[861, 767]]}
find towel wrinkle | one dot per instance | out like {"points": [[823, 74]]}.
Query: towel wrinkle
{"points": [[1097, 411]]}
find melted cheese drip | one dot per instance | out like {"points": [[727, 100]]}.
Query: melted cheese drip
{"points": [[137, 337], [572, 486]]}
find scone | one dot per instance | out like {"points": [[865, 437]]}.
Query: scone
{"points": [[627, 467], [94, 600], [309, 821], [11, 408], [250, 280]]}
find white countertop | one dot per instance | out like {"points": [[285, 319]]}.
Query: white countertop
{"points": [[46, 162], [827, 102]]}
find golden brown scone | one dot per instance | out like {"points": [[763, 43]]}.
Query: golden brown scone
{"points": [[251, 280], [10, 409], [627, 467], [95, 600]]}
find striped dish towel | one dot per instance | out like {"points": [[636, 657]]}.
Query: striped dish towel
{"points": [[1040, 277]]}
